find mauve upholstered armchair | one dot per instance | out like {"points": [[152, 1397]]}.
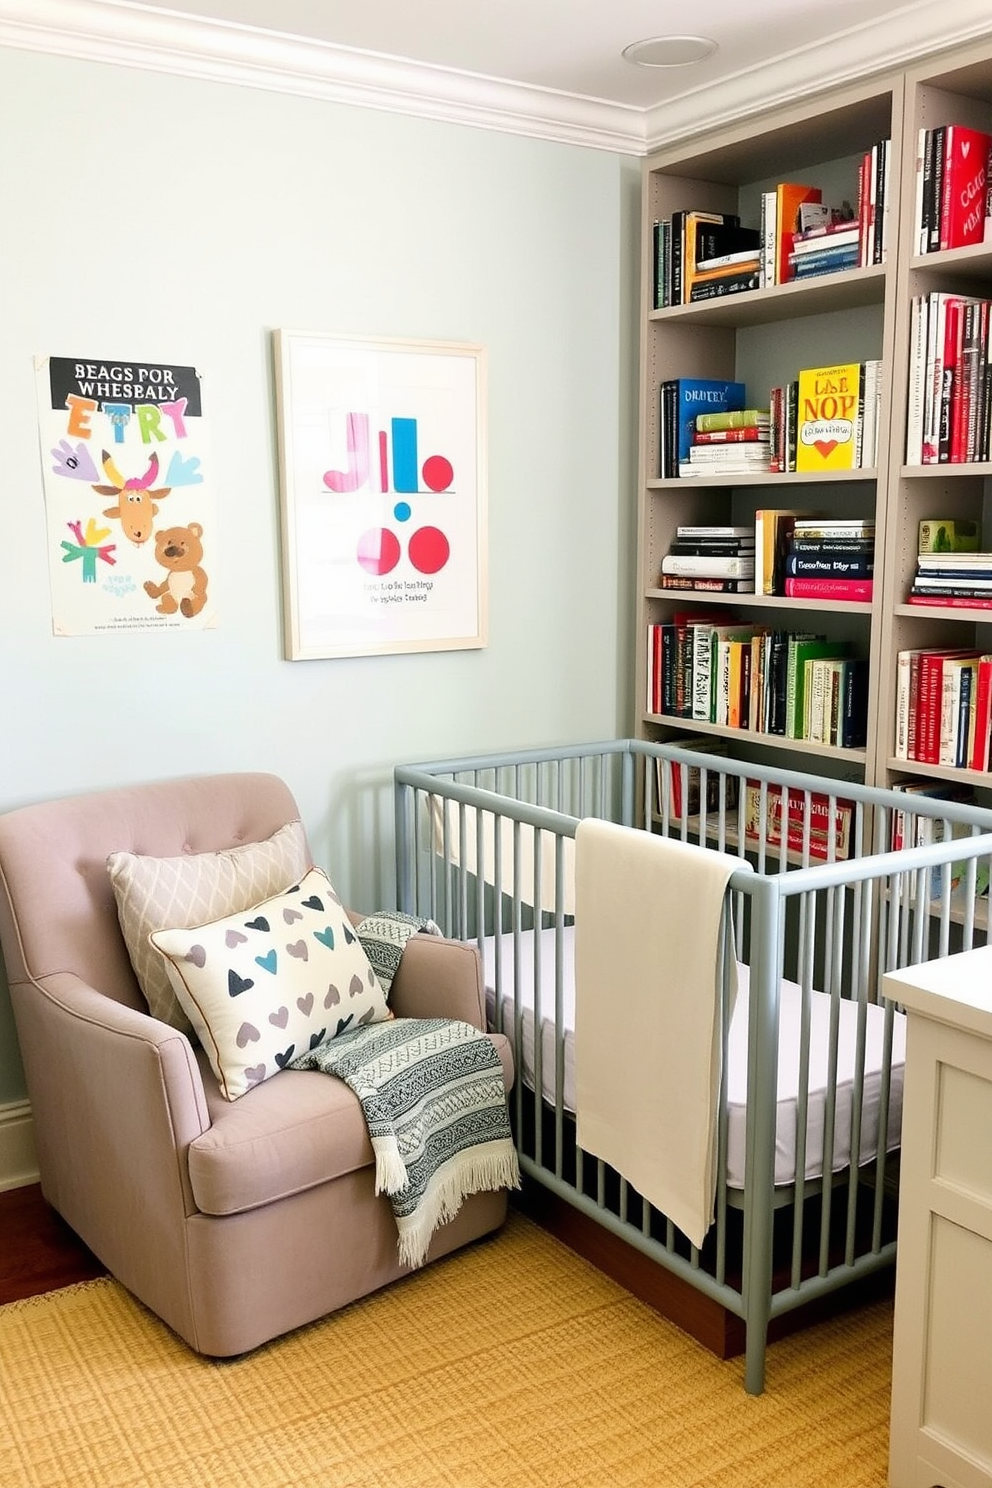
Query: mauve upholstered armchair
{"points": [[233, 1221]]}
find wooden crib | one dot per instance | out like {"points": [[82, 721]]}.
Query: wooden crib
{"points": [[812, 1055]]}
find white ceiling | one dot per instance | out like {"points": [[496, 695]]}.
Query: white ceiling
{"points": [[541, 66], [572, 46]]}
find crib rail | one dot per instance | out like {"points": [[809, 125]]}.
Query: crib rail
{"points": [[484, 846]]}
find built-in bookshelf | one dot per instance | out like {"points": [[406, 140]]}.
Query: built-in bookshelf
{"points": [[763, 337], [955, 89]]}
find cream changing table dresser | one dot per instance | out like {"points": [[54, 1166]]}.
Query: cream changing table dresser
{"points": [[941, 1424]]}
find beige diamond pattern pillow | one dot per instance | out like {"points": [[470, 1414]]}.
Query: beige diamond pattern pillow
{"points": [[193, 889]]}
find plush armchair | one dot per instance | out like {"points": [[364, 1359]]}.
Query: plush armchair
{"points": [[233, 1221]]}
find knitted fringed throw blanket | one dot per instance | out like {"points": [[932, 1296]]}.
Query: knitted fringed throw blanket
{"points": [[431, 1090]]}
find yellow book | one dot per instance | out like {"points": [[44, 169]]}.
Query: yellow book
{"points": [[829, 417]]}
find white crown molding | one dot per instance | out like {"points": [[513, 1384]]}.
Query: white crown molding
{"points": [[897, 41], [131, 35]]}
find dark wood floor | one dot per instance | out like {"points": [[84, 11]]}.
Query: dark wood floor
{"points": [[38, 1251]]}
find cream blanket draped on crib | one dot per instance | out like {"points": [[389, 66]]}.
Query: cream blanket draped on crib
{"points": [[648, 925]]}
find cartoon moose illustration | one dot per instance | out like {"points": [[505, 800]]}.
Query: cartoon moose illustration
{"points": [[137, 497], [136, 501]]}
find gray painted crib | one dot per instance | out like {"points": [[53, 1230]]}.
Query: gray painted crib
{"points": [[812, 1055]]}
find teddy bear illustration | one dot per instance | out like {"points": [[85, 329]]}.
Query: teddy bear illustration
{"points": [[184, 588]]}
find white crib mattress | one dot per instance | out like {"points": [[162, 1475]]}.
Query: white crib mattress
{"points": [[502, 947]]}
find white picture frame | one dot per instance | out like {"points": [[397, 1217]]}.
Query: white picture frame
{"points": [[382, 458]]}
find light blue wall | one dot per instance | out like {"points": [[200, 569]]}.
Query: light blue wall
{"points": [[153, 216]]}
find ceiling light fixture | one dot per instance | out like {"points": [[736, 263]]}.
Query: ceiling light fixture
{"points": [[669, 51]]}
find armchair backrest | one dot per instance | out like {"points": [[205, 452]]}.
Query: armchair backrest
{"points": [[57, 907]]}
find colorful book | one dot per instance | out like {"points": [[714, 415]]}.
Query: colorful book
{"points": [[849, 590], [828, 415], [962, 209], [686, 566], [736, 418], [748, 434], [773, 527], [685, 781], [801, 650], [948, 535], [812, 821], [789, 196], [683, 400]]}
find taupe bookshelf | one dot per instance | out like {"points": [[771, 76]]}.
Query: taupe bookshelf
{"points": [[955, 87], [764, 336]]}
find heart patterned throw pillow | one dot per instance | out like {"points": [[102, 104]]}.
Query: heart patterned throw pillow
{"points": [[272, 982]]}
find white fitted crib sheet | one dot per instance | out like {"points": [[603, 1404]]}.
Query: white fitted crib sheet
{"points": [[788, 1056]]}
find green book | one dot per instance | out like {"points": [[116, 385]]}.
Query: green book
{"points": [[801, 650], [944, 535]]}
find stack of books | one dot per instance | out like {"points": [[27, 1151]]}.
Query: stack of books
{"points": [[710, 249], [943, 706], [736, 443], [728, 273], [960, 581], [828, 558], [825, 250], [717, 559], [793, 210], [682, 400]]}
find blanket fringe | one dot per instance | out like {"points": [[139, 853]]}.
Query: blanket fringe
{"points": [[391, 1176], [489, 1165]]}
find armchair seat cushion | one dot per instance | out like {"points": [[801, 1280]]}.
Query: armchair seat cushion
{"points": [[291, 1133]]}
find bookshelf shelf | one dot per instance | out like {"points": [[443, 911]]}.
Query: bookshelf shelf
{"points": [[765, 601], [943, 612], [754, 736], [846, 290], [763, 478], [938, 772], [763, 337], [948, 468]]}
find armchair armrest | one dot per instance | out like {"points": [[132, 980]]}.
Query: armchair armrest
{"points": [[98, 1065], [439, 979]]}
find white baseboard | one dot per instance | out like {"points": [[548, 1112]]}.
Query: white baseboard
{"points": [[18, 1159]]}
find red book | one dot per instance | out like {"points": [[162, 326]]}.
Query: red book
{"points": [[748, 435], [931, 689], [983, 716], [866, 212], [962, 210], [789, 197], [849, 589], [949, 601], [928, 711], [950, 391]]}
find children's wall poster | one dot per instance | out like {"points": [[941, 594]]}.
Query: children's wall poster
{"points": [[383, 495], [128, 495]]}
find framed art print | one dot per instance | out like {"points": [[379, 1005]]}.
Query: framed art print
{"points": [[383, 494]]}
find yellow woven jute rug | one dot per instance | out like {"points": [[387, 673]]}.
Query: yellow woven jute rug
{"points": [[513, 1364]]}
